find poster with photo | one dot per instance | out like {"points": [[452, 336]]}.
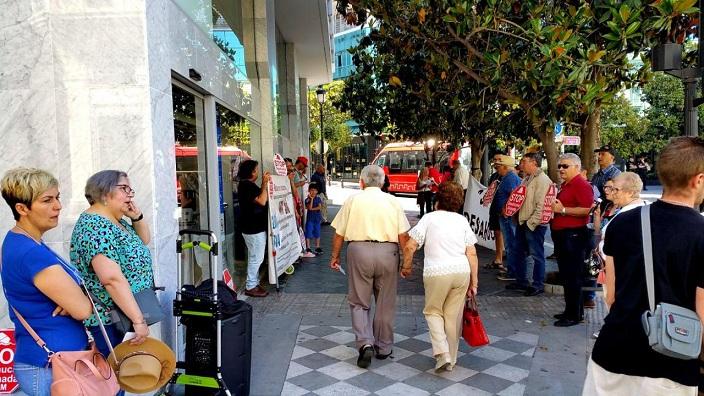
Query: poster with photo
{"points": [[284, 239]]}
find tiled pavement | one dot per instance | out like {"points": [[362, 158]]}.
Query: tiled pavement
{"points": [[303, 344], [324, 363]]}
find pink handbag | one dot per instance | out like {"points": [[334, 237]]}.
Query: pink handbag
{"points": [[76, 373]]}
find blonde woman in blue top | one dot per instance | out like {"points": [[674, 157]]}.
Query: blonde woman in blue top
{"points": [[109, 248], [38, 283]]}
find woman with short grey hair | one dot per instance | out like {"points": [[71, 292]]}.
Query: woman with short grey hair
{"points": [[109, 248]]}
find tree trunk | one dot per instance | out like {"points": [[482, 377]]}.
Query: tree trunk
{"points": [[477, 153], [547, 138], [590, 139]]}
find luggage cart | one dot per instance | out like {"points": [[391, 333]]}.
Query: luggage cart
{"points": [[203, 370]]}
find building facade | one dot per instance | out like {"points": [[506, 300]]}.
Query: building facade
{"points": [[174, 92]]}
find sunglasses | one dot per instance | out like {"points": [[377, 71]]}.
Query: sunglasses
{"points": [[563, 166]]}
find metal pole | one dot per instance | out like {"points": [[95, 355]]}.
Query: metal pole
{"points": [[691, 121], [322, 139]]}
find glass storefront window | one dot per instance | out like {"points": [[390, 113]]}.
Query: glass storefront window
{"points": [[233, 148], [222, 20], [191, 175]]}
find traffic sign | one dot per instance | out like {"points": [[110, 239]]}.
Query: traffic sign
{"points": [[558, 129], [8, 382], [571, 140]]}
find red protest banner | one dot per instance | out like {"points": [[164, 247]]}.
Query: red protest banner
{"points": [[547, 214], [490, 192], [8, 382], [515, 200]]}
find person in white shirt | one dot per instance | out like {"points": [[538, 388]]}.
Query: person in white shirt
{"points": [[449, 270], [461, 175]]}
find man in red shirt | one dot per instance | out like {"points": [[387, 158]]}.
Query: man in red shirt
{"points": [[571, 236]]}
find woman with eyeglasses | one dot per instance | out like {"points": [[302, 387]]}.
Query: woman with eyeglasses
{"points": [[109, 248], [624, 193]]}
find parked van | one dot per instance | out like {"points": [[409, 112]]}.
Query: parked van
{"points": [[402, 162]]}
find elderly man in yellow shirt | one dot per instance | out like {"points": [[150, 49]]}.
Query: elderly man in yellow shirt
{"points": [[374, 225]]}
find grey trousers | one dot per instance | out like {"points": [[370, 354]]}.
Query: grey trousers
{"points": [[373, 268]]}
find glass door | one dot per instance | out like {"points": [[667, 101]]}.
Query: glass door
{"points": [[191, 176]]}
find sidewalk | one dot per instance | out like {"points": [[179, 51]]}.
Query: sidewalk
{"points": [[303, 343]]}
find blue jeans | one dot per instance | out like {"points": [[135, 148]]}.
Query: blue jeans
{"points": [[115, 338], [33, 380], [508, 230], [256, 249], [530, 243]]}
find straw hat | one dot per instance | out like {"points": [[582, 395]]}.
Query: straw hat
{"points": [[143, 368]]}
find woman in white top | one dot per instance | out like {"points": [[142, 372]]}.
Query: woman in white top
{"points": [[449, 271]]}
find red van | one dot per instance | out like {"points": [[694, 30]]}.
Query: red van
{"points": [[402, 162]]}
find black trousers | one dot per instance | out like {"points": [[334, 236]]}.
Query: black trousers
{"points": [[571, 248], [427, 201]]}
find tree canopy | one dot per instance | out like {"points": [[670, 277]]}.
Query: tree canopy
{"points": [[544, 60]]}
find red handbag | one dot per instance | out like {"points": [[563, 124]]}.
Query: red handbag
{"points": [[473, 330]]}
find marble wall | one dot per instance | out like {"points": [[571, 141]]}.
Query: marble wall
{"points": [[86, 86]]}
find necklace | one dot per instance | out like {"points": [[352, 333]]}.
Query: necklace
{"points": [[26, 233]]}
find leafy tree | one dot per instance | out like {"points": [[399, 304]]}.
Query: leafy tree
{"points": [[336, 131], [625, 129], [553, 60]]}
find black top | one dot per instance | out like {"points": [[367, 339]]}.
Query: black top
{"points": [[253, 218], [678, 264], [319, 179]]}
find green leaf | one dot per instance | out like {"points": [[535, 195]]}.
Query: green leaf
{"points": [[449, 19], [632, 28], [611, 37], [625, 12], [681, 6]]}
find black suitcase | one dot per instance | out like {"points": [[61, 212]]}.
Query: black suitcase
{"points": [[236, 365]]}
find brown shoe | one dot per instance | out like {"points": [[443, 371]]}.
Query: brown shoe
{"points": [[262, 289], [256, 292], [589, 304]]}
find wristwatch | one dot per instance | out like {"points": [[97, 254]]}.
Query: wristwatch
{"points": [[141, 216]]}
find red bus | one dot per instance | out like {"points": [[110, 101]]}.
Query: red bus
{"points": [[402, 162]]}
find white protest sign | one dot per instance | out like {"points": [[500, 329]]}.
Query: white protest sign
{"points": [[478, 214], [284, 242]]}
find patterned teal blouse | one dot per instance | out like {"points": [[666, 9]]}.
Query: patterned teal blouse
{"points": [[94, 235]]}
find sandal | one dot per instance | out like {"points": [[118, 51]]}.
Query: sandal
{"points": [[494, 265]]}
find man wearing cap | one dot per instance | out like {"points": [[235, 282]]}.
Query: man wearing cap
{"points": [[374, 225], [506, 168], [607, 169]]}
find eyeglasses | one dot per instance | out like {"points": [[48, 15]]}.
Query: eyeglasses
{"points": [[611, 188], [563, 166], [126, 189]]}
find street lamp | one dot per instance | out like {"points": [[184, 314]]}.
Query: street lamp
{"points": [[320, 92]]}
